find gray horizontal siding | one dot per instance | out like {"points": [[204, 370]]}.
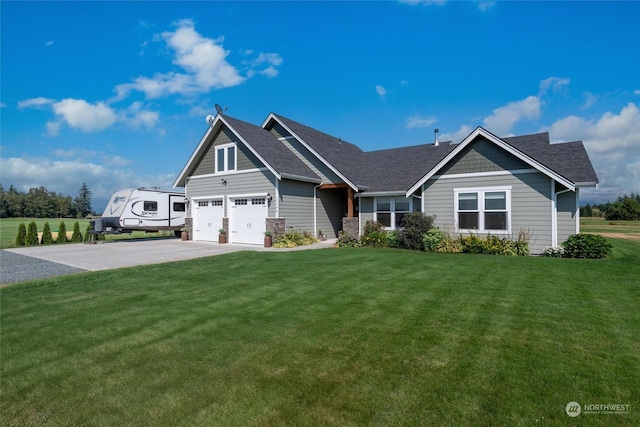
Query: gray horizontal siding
{"points": [[530, 203], [566, 215], [259, 182], [296, 204]]}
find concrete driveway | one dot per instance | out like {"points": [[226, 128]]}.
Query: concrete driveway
{"points": [[115, 254]]}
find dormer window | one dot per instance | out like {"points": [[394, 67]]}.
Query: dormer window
{"points": [[225, 158]]}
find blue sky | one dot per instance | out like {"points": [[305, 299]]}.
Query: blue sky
{"points": [[116, 94]]}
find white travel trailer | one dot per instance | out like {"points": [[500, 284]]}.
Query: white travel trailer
{"points": [[142, 209]]}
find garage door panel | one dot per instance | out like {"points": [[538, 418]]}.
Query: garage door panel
{"points": [[208, 219], [248, 220]]}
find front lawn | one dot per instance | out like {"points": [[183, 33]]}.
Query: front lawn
{"points": [[326, 337]]}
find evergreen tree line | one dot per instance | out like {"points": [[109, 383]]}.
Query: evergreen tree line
{"points": [[42, 203], [625, 208]]}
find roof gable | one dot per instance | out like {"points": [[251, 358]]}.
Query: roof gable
{"points": [[268, 149], [342, 157], [535, 140]]}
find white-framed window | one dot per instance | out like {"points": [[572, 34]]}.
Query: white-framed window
{"points": [[483, 210], [389, 211], [225, 158]]}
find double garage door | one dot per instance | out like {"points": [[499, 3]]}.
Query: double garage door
{"points": [[247, 219]]}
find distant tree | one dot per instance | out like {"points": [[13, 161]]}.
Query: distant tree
{"points": [[76, 236], [32, 234], [46, 234], [66, 206], [586, 211], [15, 202], [83, 201], [62, 233], [21, 238], [625, 208]]}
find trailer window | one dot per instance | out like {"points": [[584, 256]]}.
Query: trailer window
{"points": [[178, 207], [150, 206]]}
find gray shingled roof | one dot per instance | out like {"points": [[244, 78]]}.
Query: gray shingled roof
{"points": [[271, 149], [568, 159], [347, 158], [397, 169]]}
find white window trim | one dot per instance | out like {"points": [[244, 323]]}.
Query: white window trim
{"points": [[226, 147], [392, 207], [481, 191]]}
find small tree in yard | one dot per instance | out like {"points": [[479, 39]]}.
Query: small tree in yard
{"points": [[62, 233], [414, 226], [21, 238], [583, 245], [76, 236], [46, 234], [32, 234]]}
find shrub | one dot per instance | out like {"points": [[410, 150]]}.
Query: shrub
{"points": [[471, 244], [449, 245], [432, 238], [584, 245], [494, 245], [294, 238], [21, 238], [46, 234], [374, 235], [32, 234], [414, 226], [62, 233], [553, 251], [392, 239], [76, 236], [346, 241]]}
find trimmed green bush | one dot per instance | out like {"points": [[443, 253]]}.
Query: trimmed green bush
{"points": [[347, 241], [294, 238], [374, 235], [46, 234], [32, 234], [432, 238], [62, 233], [76, 236], [583, 245], [21, 238], [414, 226]]}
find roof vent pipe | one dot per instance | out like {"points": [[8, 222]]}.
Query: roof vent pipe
{"points": [[436, 142]]}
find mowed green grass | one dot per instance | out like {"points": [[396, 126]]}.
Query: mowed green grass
{"points": [[339, 337]]}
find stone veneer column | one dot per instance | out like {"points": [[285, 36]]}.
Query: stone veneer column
{"points": [[188, 224], [350, 225], [277, 226]]}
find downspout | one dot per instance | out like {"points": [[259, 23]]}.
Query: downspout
{"points": [[277, 197], [315, 219]]}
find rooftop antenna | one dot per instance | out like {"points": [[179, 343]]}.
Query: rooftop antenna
{"points": [[436, 142], [219, 109]]}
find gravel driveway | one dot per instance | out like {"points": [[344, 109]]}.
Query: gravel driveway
{"points": [[18, 268]]}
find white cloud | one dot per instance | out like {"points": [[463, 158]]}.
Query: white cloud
{"points": [[139, 117], [613, 144], [636, 92], [589, 100], [38, 102], [417, 121], [381, 91], [556, 84], [80, 114], [503, 119], [203, 59], [53, 127], [49, 43]]}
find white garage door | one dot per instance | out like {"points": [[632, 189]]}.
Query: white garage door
{"points": [[248, 220], [207, 219]]}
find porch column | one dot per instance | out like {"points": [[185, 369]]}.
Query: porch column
{"points": [[350, 202]]}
